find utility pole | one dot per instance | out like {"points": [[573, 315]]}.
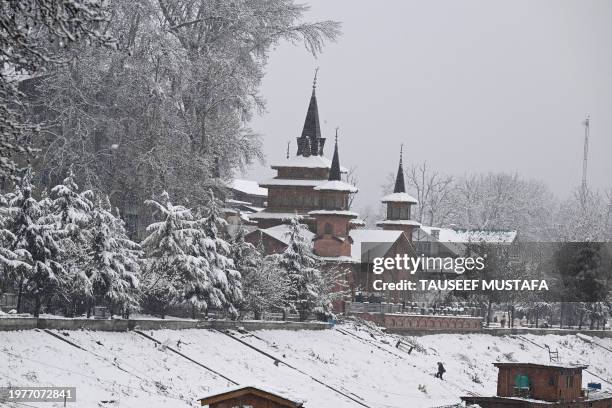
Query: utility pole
{"points": [[586, 155]]}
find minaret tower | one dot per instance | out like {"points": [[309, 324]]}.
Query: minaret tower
{"points": [[399, 204], [310, 143], [332, 221]]}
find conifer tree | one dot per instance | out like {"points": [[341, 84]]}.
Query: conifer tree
{"points": [[72, 215], [36, 246], [264, 284], [114, 269], [226, 286], [306, 292], [187, 261]]}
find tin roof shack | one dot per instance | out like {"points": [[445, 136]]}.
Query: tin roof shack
{"points": [[526, 385], [251, 397]]}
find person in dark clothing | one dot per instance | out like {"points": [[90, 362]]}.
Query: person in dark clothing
{"points": [[441, 370]]}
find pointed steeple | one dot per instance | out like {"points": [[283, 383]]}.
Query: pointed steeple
{"points": [[312, 127], [400, 186], [334, 172]]}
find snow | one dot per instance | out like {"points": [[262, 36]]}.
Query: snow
{"points": [[399, 198], [360, 236], [249, 187], [269, 390], [272, 215], [463, 236], [237, 202], [291, 182], [337, 185], [365, 364], [280, 232], [310, 162], [334, 212], [399, 222]]}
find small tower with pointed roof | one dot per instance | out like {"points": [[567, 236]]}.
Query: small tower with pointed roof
{"points": [[293, 191], [399, 204], [310, 143], [332, 220]]}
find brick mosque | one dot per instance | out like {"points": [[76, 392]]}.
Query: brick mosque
{"points": [[309, 185]]}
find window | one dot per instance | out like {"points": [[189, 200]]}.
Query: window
{"points": [[329, 229], [551, 380]]}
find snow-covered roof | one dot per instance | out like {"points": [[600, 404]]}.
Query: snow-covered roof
{"points": [[265, 215], [360, 236], [399, 198], [337, 185], [357, 221], [310, 162], [531, 364], [282, 394], [399, 222], [334, 212], [280, 232], [464, 236], [236, 202], [248, 187], [253, 208], [292, 182]]}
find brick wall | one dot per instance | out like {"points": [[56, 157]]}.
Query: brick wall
{"points": [[332, 236], [407, 323], [546, 383]]}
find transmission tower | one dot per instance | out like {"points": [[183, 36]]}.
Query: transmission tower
{"points": [[585, 154]]}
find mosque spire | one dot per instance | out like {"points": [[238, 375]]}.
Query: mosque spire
{"points": [[334, 172], [400, 186], [312, 127]]}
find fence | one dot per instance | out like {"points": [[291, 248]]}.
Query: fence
{"points": [[411, 308]]}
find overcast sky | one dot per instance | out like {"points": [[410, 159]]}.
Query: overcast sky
{"points": [[468, 86]]}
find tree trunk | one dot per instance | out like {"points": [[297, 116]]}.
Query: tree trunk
{"points": [[561, 315], [489, 312], [37, 305], [20, 294]]}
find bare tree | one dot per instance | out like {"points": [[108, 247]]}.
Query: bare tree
{"points": [[351, 178], [169, 109], [34, 36], [434, 192]]}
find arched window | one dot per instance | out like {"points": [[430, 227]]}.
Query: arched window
{"points": [[329, 229]]}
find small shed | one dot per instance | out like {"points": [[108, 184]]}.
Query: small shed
{"points": [[249, 396]]}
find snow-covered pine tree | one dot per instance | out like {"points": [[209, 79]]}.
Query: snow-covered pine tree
{"points": [[114, 269], [10, 263], [36, 246], [263, 282], [168, 265], [226, 286], [187, 262], [306, 292], [72, 215]]}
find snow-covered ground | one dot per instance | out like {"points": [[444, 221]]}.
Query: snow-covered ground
{"points": [[129, 370]]}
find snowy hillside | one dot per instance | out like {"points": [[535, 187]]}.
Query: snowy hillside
{"points": [[348, 366]]}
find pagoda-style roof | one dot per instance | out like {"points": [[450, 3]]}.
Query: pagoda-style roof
{"points": [[292, 182], [345, 213], [399, 194], [398, 222], [399, 198], [310, 162], [337, 185]]}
